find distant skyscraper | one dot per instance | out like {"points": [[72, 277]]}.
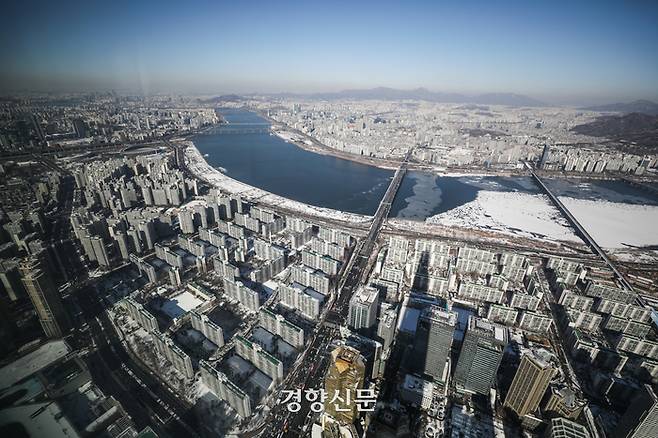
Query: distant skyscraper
{"points": [[363, 308], [345, 375], [641, 418], [100, 251], [544, 157], [45, 298], [80, 128], [480, 356], [434, 334], [529, 385]]}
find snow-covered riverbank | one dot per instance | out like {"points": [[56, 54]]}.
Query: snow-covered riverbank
{"points": [[200, 167]]}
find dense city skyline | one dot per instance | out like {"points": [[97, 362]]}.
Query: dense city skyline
{"points": [[563, 54], [329, 220]]}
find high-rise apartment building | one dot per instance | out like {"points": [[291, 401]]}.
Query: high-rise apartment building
{"points": [[45, 297], [363, 308]]}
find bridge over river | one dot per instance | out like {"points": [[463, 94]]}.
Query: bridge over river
{"points": [[238, 128]]}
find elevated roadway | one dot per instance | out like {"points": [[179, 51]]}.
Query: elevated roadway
{"points": [[582, 233]]}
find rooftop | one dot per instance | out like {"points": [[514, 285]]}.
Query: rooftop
{"points": [[33, 362], [39, 419], [436, 314]]}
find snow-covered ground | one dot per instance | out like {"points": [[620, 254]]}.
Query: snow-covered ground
{"points": [[291, 137], [615, 224], [198, 166], [518, 213], [633, 255]]}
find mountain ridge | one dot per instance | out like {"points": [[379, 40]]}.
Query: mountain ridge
{"points": [[637, 106], [386, 93]]}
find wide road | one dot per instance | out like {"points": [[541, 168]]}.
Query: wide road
{"points": [[117, 373], [310, 374]]}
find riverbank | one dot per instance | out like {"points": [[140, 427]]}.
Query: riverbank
{"points": [[358, 224], [198, 166], [311, 144]]}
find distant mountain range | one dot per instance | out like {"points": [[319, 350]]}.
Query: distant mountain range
{"points": [[223, 98], [638, 128], [384, 93], [638, 106]]}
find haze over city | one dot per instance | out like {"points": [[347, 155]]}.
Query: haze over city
{"points": [[328, 219], [560, 52]]}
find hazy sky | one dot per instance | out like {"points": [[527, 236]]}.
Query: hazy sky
{"points": [[557, 51]]}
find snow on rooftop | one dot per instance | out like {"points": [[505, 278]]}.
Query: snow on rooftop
{"points": [[181, 304], [270, 286]]}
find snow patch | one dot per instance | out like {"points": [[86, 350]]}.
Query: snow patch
{"points": [[524, 214], [614, 224]]}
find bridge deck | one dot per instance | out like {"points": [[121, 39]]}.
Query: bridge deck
{"points": [[580, 230]]}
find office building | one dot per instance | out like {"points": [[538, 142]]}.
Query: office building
{"points": [[344, 376], [529, 385], [433, 341], [641, 418], [417, 391], [480, 356], [563, 428], [45, 297]]}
